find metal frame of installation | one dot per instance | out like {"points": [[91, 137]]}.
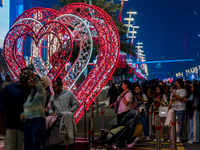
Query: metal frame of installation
{"points": [[75, 24]]}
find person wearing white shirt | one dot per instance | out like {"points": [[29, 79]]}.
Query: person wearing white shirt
{"points": [[177, 103], [124, 106]]}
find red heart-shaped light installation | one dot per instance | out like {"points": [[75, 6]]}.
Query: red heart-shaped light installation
{"points": [[102, 28]]}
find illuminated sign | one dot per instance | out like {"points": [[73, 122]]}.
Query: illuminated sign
{"points": [[193, 70], [179, 74], [188, 71]]}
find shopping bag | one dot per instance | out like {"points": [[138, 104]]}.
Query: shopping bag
{"points": [[163, 111], [138, 131]]}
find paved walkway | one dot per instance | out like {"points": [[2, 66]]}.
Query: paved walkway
{"points": [[110, 120]]}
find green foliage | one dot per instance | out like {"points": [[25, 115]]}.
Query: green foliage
{"points": [[123, 72]]}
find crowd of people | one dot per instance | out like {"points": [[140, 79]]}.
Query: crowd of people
{"points": [[179, 96], [25, 105], [24, 108]]}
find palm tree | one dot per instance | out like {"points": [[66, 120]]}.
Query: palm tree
{"points": [[110, 8]]}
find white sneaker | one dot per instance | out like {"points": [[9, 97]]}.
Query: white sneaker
{"points": [[117, 148], [168, 141], [162, 140], [148, 138], [178, 140], [189, 142], [133, 143]]}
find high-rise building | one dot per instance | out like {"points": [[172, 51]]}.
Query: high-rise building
{"points": [[16, 8], [1, 3]]}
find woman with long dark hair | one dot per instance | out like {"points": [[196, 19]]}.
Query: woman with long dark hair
{"points": [[138, 98], [177, 103], [35, 119], [124, 100], [160, 100], [193, 103]]}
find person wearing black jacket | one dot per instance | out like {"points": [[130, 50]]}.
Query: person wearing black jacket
{"points": [[13, 98], [113, 93]]}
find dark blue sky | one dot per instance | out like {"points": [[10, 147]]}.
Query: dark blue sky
{"points": [[168, 28]]}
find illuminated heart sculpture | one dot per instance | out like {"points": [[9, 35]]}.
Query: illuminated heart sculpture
{"points": [[78, 24]]}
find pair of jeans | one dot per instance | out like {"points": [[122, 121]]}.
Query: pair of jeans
{"points": [[13, 140], [196, 126], [180, 114], [190, 127], [145, 127], [35, 134]]}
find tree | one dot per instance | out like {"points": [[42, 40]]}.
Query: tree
{"points": [[120, 72]]}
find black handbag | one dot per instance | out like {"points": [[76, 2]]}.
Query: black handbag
{"points": [[116, 105]]}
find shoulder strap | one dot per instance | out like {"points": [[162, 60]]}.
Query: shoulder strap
{"points": [[126, 93]]}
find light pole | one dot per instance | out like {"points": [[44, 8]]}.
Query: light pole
{"points": [[130, 25]]}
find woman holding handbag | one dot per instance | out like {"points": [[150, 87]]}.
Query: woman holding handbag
{"points": [[137, 99], [124, 100], [160, 100]]}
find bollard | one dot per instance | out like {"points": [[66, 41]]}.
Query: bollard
{"points": [[92, 123], [97, 107], [84, 123], [102, 117], [150, 120], [90, 132], [158, 133], [173, 131]]}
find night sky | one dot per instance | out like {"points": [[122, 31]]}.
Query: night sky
{"points": [[168, 28]]}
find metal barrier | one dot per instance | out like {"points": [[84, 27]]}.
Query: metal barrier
{"points": [[173, 131], [150, 120], [102, 117], [158, 133]]}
